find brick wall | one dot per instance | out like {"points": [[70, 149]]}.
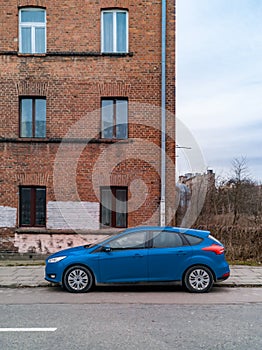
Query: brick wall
{"points": [[74, 76]]}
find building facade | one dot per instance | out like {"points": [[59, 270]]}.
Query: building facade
{"points": [[83, 87]]}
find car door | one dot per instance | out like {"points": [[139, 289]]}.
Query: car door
{"points": [[124, 259], [167, 257]]}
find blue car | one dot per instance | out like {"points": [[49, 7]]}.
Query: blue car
{"points": [[142, 254]]}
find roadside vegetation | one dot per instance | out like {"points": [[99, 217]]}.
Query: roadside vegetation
{"points": [[233, 213]]}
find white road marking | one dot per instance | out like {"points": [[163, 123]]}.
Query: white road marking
{"points": [[28, 329]]}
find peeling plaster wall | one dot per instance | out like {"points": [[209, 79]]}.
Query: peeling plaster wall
{"points": [[73, 215], [51, 243], [62, 216], [7, 216]]}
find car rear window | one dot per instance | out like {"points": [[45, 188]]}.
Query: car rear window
{"points": [[193, 240]]}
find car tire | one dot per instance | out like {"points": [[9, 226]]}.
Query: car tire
{"points": [[78, 279], [198, 279]]}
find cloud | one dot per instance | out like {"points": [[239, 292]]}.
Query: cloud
{"points": [[217, 39], [221, 145], [217, 106], [219, 76]]}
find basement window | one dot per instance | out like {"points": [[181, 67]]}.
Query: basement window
{"points": [[113, 206], [32, 208]]}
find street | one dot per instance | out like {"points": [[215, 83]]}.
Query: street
{"points": [[131, 317]]}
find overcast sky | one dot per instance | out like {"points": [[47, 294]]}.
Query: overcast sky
{"points": [[219, 80]]}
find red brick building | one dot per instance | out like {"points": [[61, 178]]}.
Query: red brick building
{"points": [[85, 90]]}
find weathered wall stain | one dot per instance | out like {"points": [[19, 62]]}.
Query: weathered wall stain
{"points": [[50, 243]]}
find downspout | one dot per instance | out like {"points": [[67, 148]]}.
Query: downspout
{"points": [[163, 118]]}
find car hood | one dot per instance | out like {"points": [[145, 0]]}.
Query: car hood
{"points": [[69, 251]]}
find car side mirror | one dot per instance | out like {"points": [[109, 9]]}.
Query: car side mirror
{"points": [[106, 249]]}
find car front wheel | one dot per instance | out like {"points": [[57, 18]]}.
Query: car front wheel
{"points": [[78, 279], [198, 279]]}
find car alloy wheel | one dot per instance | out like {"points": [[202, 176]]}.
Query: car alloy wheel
{"points": [[198, 279], [78, 279]]}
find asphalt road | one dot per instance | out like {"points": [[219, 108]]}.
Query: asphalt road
{"points": [[131, 318]]}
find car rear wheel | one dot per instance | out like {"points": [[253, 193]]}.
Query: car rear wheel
{"points": [[198, 279], [78, 279]]}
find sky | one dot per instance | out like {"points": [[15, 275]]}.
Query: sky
{"points": [[219, 82]]}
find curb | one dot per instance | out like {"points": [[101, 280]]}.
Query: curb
{"points": [[51, 285], [240, 285]]}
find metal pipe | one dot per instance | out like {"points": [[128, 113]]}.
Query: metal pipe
{"points": [[163, 118]]}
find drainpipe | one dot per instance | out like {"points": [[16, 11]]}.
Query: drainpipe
{"points": [[163, 119]]}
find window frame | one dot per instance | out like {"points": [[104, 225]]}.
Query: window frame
{"points": [[33, 98], [114, 12], [32, 206], [113, 213], [33, 26], [114, 99]]}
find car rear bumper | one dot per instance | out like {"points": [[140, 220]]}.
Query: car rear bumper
{"points": [[223, 272], [224, 277]]}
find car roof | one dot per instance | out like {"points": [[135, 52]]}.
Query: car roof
{"points": [[190, 231]]}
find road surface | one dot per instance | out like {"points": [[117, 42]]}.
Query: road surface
{"points": [[162, 317]]}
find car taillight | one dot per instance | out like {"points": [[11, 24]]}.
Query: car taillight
{"points": [[215, 248]]}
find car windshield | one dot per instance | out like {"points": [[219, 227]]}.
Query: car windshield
{"points": [[101, 240]]}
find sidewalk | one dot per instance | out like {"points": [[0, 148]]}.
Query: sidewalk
{"points": [[33, 276]]}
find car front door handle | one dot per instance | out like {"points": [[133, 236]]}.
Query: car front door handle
{"points": [[138, 255]]}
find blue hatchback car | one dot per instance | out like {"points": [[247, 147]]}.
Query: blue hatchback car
{"points": [[142, 254]]}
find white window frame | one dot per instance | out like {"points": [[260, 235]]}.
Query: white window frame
{"points": [[114, 11], [33, 26]]}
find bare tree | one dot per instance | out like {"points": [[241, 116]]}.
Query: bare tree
{"points": [[241, 184], [235, 200]]}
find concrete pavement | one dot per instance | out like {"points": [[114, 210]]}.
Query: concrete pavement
{"points": [[33, 276]]}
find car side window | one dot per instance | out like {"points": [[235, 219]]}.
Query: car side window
{"points": [[136, 240], [193, 240], [165, 239]]}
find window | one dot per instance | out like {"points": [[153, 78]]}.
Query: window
{"points": [[114, 31], [137, 240], [114, 118], [113, 212], [32, 210], [32, 117], [164, 239], [32, 30], [193, 240]]}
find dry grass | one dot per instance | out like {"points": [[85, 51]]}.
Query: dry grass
{"points": [[241, 243]]}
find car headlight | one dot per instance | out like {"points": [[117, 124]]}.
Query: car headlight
{"points": [[55, 260]]}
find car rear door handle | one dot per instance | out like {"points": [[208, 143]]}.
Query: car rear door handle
{"points": [[181, 252], [138, 255]]}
